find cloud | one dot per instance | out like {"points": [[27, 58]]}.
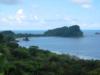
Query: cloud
{"points": [[67, 18], [10, 1], [20, 15], [4, 19], [36, 17], [86, 6], [83, 3]]}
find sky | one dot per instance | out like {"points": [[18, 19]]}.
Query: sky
{"points": [[49, 14]]}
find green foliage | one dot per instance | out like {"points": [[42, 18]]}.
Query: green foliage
{"points": [[8, 36], [8, 33], [95, 72], [1, 38]]}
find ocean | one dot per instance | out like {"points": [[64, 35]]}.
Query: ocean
{"points": [[87, 47]]}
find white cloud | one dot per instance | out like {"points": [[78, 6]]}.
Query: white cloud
{"points": [[4, 19], [67, 18], [20, 15], [86, 6], [83, 3], [17, 18], [36, 17]]}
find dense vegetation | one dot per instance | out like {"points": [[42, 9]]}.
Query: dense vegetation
{"points": [[16, 60], [72, 31], [8, 36]]}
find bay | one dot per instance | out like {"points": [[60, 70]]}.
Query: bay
{"points": [[87, 47]]}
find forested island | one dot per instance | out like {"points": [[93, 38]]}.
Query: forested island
{"points": [[17, 60], [72, 31]]}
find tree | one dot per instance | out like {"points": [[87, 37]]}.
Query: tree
{"points": [[8, 36]]}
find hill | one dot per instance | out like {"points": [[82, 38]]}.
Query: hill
{"points": [[72, 31]]}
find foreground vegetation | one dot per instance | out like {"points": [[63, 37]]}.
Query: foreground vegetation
{"points": [[16, 60]]}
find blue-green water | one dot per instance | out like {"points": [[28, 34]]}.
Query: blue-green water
{"points": [[86, 47]]}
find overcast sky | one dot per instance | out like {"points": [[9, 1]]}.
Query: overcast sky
{"points": [[48, 14]]}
